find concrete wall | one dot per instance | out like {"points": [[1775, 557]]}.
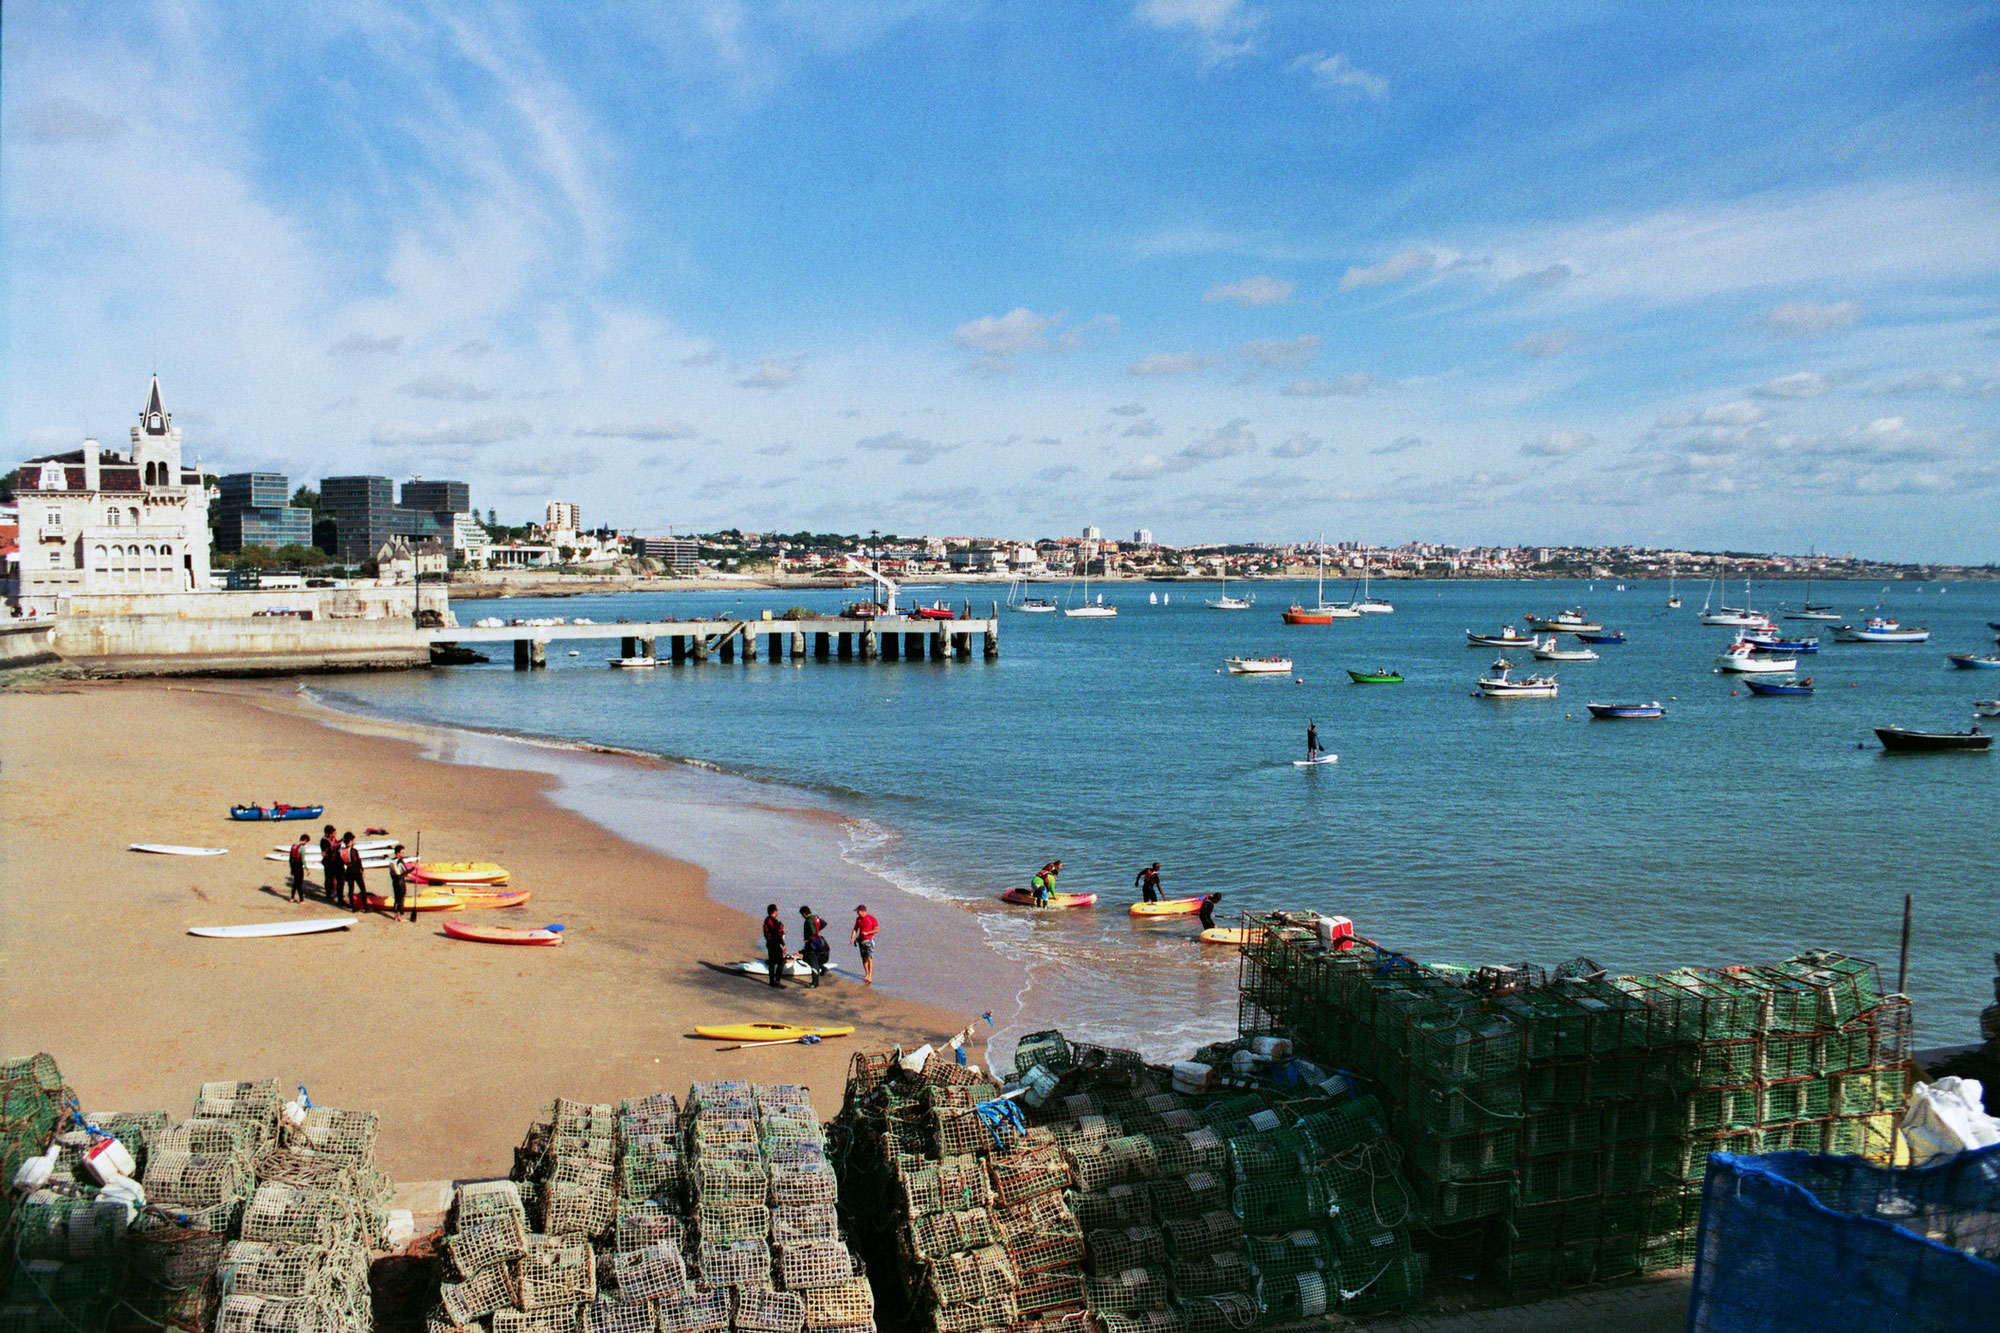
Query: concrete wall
{"points": [[27, 644], [364, 603], [113, 645]]}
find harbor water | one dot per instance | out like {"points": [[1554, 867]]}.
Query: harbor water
{"points": [[1736, 829]]}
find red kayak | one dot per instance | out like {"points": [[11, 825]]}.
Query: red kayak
{"points": [[1026, 898]]}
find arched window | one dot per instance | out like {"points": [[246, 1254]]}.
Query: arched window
{"points": [[135, 515], [98, 553], [112, 517]]}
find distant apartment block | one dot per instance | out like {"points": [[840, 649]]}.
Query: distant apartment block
{"points": [[675, 552], [1143, 537], [366, 514], [437, 497], [255, 509], [564, 517]]}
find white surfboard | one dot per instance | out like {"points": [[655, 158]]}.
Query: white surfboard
{"points": [[757, 967], [173, 849], [1309, 763], [273, 928]]}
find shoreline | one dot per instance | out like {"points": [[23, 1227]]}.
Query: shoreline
{"points": [[456, 1046]]}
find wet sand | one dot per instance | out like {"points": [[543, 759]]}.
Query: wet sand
{"points": [[456, 1045]]}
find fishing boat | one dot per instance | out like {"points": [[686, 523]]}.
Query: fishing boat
{"points": [[1986, 707], [1602, 636], [1773, 642], [1572, 621], [276, 811], [1963, 661], [1379, 676], [1508, 637], [1549, 652], [1654, 709], [1880, 629], [1902, 738], [1258, 666], [1745, 659], [1320, 612], [633, 663], [1501, 685], [1087, 609], [1789, 685]]}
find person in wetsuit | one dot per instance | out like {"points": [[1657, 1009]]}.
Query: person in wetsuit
{"points": [[813, 946], [774, 944], [1207, 910], [1312, 740], [1148, 882]]}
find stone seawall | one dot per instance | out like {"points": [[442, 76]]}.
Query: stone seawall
{"points": [[27, 643], [243, 646]]}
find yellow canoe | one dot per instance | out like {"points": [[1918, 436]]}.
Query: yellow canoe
{"points": [[1230, 935], [766, 1032], [1168, 907], [460, 872]]}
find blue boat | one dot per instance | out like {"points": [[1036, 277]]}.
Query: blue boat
{"points": [[1785, 686], [1970, 662], [260, 812], [1604, 636], [1654, 709]]}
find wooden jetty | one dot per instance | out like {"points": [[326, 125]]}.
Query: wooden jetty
{"points": [[886, 638]]}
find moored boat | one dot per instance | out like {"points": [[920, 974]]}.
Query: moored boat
{"points": [[633, 663], [1602, 636], [1789, 685], [1963, 661], [1258, 666], [1501, 684], [1880, 629], [935, 611], [1742, 658], [1770, 641], [1572, 621], [1508, 637], [1379, 676], [1902, 738], [1654, 709], [1986, 707], [1549, 652]]}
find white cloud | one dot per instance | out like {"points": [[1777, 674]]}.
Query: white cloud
{"points": [[1558, 444], [773, 373], [1219, 30], [1545, 279], [1346, 386], [1739, 413], [1223, 442], [1283, 351], [1261, 289], [1337, 74], [1403, 264], [642, 430], [1143, 468], [446, 388], [1005, 336], [1128, 410], [1402, 445], [1169, 363], [1298, 446], [1141, 430], [63, 120], [1803, 319], [1798, 384], [1553, 343], [1957, 383], [914, 451], [477, 430], [473, 347]]}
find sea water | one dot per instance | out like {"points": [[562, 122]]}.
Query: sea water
{"points": [[1736, 829]]}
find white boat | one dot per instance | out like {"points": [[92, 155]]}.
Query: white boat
{"points": [[1016, 601], [1152, 599], [1673, 598], [1087, 609], [1259, 666], [267, 929], [1572, 621], [1501, 685], [1811, 610], [1880, 629], [1548, 652], [1986, 707], [1506, 638], [1365, 605], [1744, 659], [1732, 615], [633, 663], [1321, 612]]}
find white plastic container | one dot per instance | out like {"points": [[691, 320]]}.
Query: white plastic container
{"points": [[108, 1160], [1333, 928], [1248, 1062], [1272, 1048], [913, 1063], [1192, 1076]]}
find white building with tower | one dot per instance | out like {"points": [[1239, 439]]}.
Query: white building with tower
{"points": [[94, 521]]}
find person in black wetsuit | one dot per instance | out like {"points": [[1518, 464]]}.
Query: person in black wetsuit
{"points": [[813, 946], [332, 870], [298, 868], [1312, 740], [1207, 910], [774, 944], [1148, 882]]}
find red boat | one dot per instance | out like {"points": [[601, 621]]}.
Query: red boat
{"points": [[935, 611], [1298, 615]]}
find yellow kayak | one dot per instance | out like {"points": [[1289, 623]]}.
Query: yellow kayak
{"points": [[766, 1032], [422, 902], [1168, 907], [1230, 935], [459, 872]]}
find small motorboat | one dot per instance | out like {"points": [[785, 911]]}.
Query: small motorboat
{"points": [[1604, 636], [275, 811], [1549, 652], [935, 611], [1746, 659], [1572, 621], [1026, 898], [1323, 614], [1500, 685], [1880, 629], [1973, 662], [1258, 666], [1789, 685], [1986, 707], [633, 663], [1508, 637], [1902, 738], [1771, 641], [1654, 709], [1379, 676]]}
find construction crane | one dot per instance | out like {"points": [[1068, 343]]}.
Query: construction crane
{"points": [[889, 586]]}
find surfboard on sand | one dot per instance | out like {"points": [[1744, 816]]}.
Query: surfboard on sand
{"points": [[484, 934], [175, 849], [1314, 763], [757, 967], [266, 929]]}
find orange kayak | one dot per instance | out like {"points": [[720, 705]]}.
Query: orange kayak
{"points": [[460, 930], [422, 902], [1026, 898], [478, 900], [1168, 907]]}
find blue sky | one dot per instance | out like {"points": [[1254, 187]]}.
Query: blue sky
{"points": [[1708, 275]]}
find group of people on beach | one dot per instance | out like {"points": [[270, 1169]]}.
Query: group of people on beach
{"points": [[814, 950], [341, 868]]}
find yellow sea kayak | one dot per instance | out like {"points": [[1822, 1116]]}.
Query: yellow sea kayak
{"points": [[459, 872], [1168, 907], [1230, 935], [766, 1032]]}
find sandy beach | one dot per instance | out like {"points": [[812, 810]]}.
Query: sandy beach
{"points": [[456, 1045]]}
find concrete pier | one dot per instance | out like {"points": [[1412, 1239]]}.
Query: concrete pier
{"points": [[884, 639]]}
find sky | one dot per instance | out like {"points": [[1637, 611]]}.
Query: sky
{"points": [[1718, 276]]}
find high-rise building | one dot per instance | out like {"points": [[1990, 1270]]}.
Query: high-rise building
{"points": [[564, 517], [1143, 537], [254, 509], [676, 552], [365, 513], [1091, 534], [437, 497]]}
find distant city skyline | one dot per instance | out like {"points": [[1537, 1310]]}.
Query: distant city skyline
{"points": [[1699, 277]]}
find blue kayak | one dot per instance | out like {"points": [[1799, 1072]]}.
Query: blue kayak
{"points": [[259, 812]]}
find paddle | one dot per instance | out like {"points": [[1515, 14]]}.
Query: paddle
{"points": [[810, 1039]]}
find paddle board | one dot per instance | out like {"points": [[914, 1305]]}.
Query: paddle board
{"points": [[1230, 935], [482, 934], [766, 1032], [273, 928], [174, 849], [1312, 763], [1026, 898], [1168, 907], [420, 903]]}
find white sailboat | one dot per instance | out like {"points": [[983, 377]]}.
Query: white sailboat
{"points": [[1224, 602], [1673, 598], [1365, 604], [1087, 609], [1732, 615], [1017, 602]]}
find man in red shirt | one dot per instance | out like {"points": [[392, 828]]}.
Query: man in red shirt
{"points": [[774, 944], [863, 937]]}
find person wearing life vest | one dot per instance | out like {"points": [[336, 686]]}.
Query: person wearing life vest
{"points": [[332, 871], [357, 886], [1207, 910], [400, 867], [1148, 882], [1045, 882], [298, 867], [774, 944], [813, 946]]}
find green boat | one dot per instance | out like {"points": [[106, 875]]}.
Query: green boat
{"points": [[1382, 677]]}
